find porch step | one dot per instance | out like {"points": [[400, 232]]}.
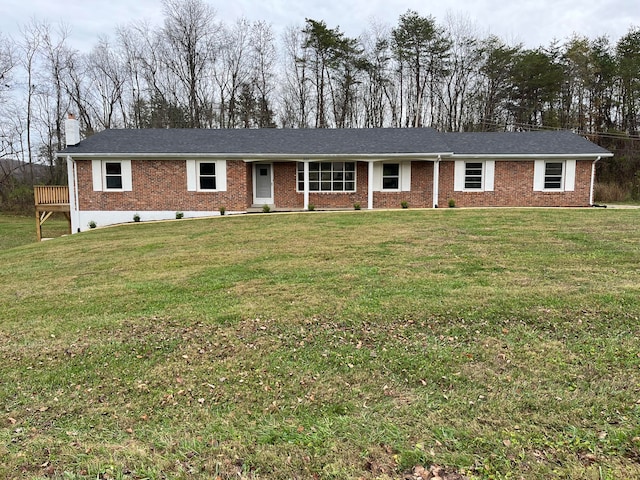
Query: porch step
{"points": [[272, 208], [260, 205]]}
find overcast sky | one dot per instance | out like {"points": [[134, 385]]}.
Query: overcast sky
{"points": [[531, 22]]}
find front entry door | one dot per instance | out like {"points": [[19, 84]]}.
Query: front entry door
{"points": [[263, 184]]}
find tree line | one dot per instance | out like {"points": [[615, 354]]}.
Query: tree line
{"points": [[195, 71]]}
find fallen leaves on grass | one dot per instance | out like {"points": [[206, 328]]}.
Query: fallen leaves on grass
{"points": [[435, 472]]}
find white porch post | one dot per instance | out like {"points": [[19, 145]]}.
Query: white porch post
{"points": [[370, 187], [436, 181], [306, 184]]}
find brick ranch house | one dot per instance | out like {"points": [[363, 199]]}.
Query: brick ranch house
{"points": [[155, 173]]}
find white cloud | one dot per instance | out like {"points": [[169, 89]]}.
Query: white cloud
{"points": [[532, 22]]}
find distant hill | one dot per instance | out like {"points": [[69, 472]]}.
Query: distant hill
{"points": [[20, 170]]}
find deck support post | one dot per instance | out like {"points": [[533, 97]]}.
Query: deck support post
{"points": [[49, 199]]}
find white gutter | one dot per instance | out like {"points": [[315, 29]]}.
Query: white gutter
{"points": [[374, 157], [530, 156], [249, 157], [436, 181], [593, 179]]}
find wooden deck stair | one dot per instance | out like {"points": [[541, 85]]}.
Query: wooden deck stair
{"points": [[48, 200]]}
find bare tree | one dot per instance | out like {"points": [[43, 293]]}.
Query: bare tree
{"points": [[107, 74], [296, 92], [7, 64], [131, 42], [153, 89], [190, 35], [233, 70], [53, 103], [29, 47], [462, 76], [377, 94], [263, 58]]}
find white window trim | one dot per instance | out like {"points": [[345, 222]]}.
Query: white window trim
{"points": [[568, 183], [193, 176], [99, 175], [404, 172], [355, 178], [488, 176]]}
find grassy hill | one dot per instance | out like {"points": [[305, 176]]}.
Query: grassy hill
{"points": [[495, 343], [17, 230]]}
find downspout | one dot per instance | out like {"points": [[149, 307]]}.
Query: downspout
{"points": [[436, 181], [593, 179]]}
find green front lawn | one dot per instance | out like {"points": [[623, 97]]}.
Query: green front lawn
{"points": [[497, 343]]}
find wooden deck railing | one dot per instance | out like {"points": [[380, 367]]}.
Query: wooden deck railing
{"points": [[50, 199], [51, 194]]}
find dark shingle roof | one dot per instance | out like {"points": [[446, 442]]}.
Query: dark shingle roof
{"points": [[366, 141], [521, 143], [264, 141]]}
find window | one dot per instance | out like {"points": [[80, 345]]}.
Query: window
{"points": [[113, 175], [207, 176], [328, 176], [473, 176], [553, 176], [391, 176]]}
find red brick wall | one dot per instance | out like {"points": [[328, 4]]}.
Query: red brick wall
{"points": [[162, 185], [421, 194], [513, 187]]}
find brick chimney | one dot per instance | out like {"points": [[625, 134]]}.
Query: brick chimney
{"points": [[72, 130]]}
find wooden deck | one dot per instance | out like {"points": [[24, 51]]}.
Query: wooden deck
{"points": [[48, 200]]}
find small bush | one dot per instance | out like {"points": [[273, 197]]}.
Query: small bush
{"points": [[404, 204], [356, 206], [266, 208], [92, 224], [136, 217], [452, 203], [179, 215], [311, 207], [222, 210]]}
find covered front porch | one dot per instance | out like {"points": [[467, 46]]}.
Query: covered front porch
{"points": [[342, 183]]}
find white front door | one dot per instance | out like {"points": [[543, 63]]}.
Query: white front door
{"points": [[262, 184]]}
